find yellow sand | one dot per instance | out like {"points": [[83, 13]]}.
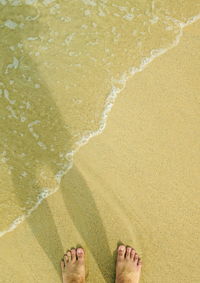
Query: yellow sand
{"points": [[137, 183]]}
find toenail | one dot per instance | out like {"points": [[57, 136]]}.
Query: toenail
{"points": [[121, 248], [79, 251]]}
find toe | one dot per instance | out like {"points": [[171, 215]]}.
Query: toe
{"points": [[128, 252], [62, 264], [73, 255], [136, 258], [121, 252], [66, 259], [132, 254], [80, 254], [139, 262], [69, 256]]}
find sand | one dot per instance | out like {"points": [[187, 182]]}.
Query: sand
{"points": [[137, 184]]}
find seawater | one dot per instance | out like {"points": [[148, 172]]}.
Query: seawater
{"points": [[63, 63]]}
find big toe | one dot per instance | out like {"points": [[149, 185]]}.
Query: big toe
{"points": [[121, 252]]}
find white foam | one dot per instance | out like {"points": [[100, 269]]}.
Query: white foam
{"points": [[47, 2], [6, 95], [14, 65], [32, 38], [128, 17], [89, 2], [102, 124], [10, 24], [30, 2], [44, 194]]}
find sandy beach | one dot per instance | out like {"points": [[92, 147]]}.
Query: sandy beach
{"points": [[137, 184]]}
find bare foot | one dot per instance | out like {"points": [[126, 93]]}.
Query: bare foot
{"points": [[128, 265], [73, 266]]}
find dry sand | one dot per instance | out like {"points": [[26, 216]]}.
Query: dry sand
{"points": [[137, 183]]}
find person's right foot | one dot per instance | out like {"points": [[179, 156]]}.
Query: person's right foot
{"points": [[73, 266], [128, 265]]}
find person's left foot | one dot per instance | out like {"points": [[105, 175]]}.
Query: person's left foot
{"points": [[73, 266]]}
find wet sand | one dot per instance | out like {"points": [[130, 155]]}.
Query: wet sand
{"points": [[136, 184]]}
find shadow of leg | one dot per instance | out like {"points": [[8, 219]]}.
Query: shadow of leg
{"points": [[44, 229], [86, 218]]}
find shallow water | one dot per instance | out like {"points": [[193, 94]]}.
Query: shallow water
{"points": [[64, 62]]}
